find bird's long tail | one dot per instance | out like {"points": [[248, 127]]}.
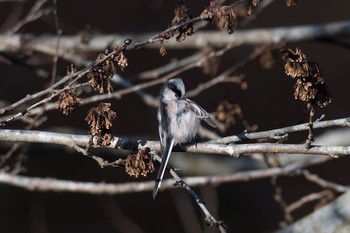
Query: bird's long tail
{"points": [[165, 159]]}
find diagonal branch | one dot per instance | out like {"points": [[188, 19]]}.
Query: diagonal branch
{"points": [[324, 183]]}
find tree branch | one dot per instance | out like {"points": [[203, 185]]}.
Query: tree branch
{"points": [[333, 217], [210, 147], [46, 43], [57, 185]]}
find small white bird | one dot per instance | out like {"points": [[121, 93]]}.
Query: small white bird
{"points": [[178, 119]]}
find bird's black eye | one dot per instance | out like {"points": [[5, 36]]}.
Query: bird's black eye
{"points": [[176, 91]]}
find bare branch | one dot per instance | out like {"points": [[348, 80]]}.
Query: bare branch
{"points": [[333, 217], [201, 40], [324, 183], [56, 185], [276, 133], [225, 75], [210, 147], [308, 198], [35, 13], [59, 34], [209, 218]]}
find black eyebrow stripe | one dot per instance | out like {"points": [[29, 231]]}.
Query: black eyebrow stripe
{"points": [[174, 89]]}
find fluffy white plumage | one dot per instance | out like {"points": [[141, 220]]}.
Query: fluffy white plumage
{"points": [[178, 119]]}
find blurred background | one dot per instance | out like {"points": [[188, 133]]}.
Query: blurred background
{"points": [[266, 103]]}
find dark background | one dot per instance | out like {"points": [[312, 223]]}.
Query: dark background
{"points": [[268, 102]]}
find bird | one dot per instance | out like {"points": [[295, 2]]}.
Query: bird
{"points": [[178, 122]]}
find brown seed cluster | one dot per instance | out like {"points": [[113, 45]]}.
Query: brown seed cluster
{"points": [[182, 15], [100, 75], [162, 51], [139, 164], [224, 17], [68, 100], [310, 86], [229, 113], [100, 120], [267, 58], [121, 61], [211, 65]]}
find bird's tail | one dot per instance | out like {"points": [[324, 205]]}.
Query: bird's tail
{"points": [[165, 159]]}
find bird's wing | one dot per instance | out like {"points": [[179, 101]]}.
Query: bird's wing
{"points": [[200, 112], [169, 143]]}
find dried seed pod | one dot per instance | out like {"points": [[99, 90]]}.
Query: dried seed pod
{"points": [[310, 86], [100, 120], [139, 164], [68, 100], [182, 15]]}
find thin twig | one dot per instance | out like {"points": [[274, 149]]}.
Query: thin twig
{"points": [[278, 197], [191, 63], [310, 136], [84, 71], [224, 75], [58, 33], [324, 183], [45, 100], [209, 218], [13, 17], [36, 122], [34, 13], [277, 133], [308, 198], [101, 162]]}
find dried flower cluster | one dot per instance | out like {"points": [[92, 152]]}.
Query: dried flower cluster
{"points": [[253, 4], [228, 113], [162, 51], [100, 120], [310, 86], [224, 17], [121, 60], [267, 58], [100, 75], [139, 164], [211, 65], [228, 17], [182, 15], [68, 100]]}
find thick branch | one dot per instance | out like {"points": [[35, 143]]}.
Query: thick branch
{"points": [[210, 148], [46, 43]]}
